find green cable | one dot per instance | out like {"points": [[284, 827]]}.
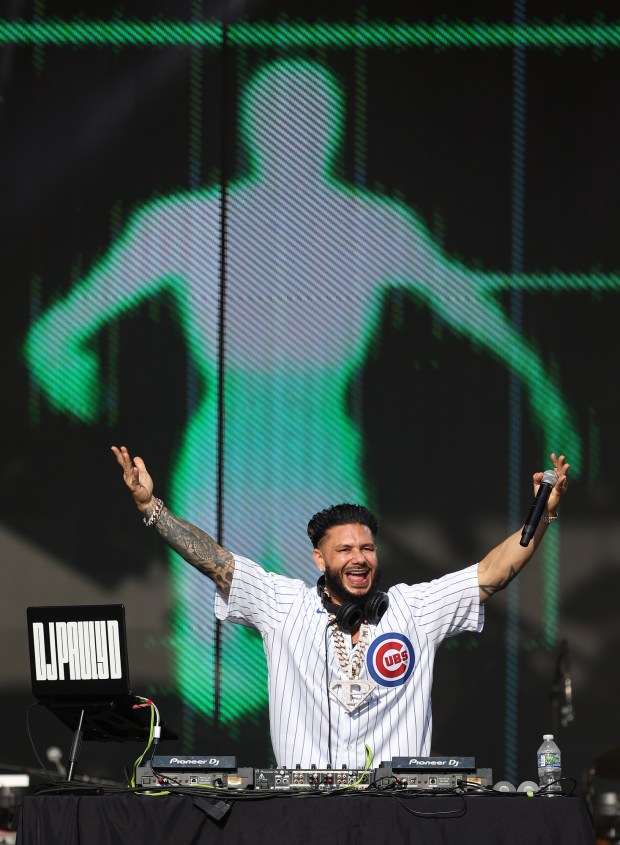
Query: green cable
{"points": [[150, 742]]}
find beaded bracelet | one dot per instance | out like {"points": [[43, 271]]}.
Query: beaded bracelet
{"points": [[154, 517], [549, 518]]}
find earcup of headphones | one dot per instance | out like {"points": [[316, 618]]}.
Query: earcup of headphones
{"points": [[375, 606], [350, 615]]}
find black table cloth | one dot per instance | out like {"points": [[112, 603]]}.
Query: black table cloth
{"points": [[335, 819]]}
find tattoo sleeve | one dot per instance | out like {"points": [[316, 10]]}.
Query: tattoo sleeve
{"points": [[491, 589], [198, 548]]}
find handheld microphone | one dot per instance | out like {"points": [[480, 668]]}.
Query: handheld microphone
{"points": [[529, 787], [549, 480], [504, 786], [54, 755]]}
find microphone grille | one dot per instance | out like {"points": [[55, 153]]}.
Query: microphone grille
{"points": [[528, 786], [504, 786], [550, 477]]}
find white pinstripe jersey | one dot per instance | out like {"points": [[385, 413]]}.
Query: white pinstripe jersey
{"points": [[396, 719]]}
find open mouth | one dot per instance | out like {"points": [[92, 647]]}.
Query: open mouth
{"points": [[357, 576]]}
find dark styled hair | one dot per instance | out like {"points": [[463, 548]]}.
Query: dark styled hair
{"points": [[345, 514]]}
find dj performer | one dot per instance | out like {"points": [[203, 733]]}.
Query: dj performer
{"points": [[348, 665]]}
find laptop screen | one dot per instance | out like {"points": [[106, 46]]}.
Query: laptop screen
{"points": [[78, 651]]}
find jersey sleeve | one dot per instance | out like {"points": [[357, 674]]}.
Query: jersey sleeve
{"points": [[257, 598], [449, 605]]}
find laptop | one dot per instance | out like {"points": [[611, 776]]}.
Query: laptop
{"points": [[78, 651], [80, 671]]}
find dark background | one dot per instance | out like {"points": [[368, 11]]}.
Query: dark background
{"points": [[88, 134]]}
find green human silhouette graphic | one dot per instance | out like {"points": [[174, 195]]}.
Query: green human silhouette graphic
{"points": [[309, 262]]}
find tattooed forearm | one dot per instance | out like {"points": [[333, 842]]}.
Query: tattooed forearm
{"points": [[491, 589], [198, 548]]}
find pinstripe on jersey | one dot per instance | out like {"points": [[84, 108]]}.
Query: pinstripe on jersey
{"points": [[396, 719]]}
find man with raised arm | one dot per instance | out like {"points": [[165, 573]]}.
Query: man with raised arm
{"points": [[349, 666]]}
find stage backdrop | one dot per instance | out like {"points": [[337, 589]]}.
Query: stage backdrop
{"points": [[299, 253]]}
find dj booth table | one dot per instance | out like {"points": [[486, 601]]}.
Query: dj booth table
{"points": [[336, 819]]}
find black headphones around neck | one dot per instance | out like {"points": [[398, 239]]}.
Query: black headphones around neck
{"points": [[350, 615]]}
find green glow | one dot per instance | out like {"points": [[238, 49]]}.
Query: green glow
{"points": [[551, 571], [342, 35], [117, 33], [310, 261]]}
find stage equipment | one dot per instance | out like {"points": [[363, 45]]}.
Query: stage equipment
{"points": [[80, 672], [206, 771], [529, 787], [433, 773], [323, 779]]}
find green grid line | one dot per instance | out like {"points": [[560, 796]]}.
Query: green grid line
{"points": [[440, 34]]}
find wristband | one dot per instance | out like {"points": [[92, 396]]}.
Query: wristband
{"points": [[154, 517]]}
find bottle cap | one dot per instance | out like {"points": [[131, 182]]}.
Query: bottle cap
{"points": [[547, 736]]}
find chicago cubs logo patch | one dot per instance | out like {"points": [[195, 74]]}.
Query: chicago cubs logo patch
{"points": [[390, 660]]}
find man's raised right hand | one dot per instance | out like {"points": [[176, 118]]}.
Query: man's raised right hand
{"points": [[136, 478]]}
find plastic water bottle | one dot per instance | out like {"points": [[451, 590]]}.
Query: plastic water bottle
{"points": [[549, 766]]}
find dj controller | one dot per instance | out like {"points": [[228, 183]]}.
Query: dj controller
{"points": [[222, 772]]}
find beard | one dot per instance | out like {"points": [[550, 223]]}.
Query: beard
{"points": [[335, 588]]}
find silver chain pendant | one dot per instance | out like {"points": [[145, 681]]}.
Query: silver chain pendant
{"points": [[352, 692]]}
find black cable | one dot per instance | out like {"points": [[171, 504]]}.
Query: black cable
{"points": [[545, 791], [477, 788], [329, 703], [32, 745], [392, 782], [168, 777], [437, 814], [389, 790]]}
